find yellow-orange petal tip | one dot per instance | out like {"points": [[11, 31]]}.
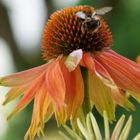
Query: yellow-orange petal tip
{"points": [[138, 59]]}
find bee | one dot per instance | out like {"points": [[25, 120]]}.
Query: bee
{"points": [[91, 23]]}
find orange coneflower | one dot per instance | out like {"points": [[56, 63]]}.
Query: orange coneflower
{"points": [[81, 66]]}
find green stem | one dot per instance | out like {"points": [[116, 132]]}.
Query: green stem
{"points": [[86, 107]]}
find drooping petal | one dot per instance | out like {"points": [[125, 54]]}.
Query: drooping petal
{"points": [[38, 120], [14, 93], [60, 115], [22, 78], [47, 109], [73, 59], [74, 90], [74, 94], [103, 74], [88, 62], [101, 96], [96, 68], [123, 71], [55, 83], [29, 95]]}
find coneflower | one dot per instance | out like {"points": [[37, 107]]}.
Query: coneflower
{"points": [[82, 71]]}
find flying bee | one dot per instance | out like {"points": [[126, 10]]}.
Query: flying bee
{"points": [[92, 23]]}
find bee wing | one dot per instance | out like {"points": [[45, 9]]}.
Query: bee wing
{"points": [[103, 11], [81, 15]]}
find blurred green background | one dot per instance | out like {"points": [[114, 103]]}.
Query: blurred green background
{"points": [[21, 26]]}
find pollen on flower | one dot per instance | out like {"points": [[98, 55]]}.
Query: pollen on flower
{"points": [[63, 34]]}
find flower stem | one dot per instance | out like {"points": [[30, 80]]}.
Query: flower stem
{"points": [[86, 107]]}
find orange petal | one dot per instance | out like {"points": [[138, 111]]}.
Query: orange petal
{"points": [[74, 95], [55, 83], [30, 93], [39, 101], [47, 109], [77, 80], [14, 93], [38, 120], [103, 74], [101, 96], [74, 91], [123, 71], [88, 62], [96, 68], [23, 77], [60, 115]]}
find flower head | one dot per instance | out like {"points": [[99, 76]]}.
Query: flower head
{"points": [[58, 88], [63, 33]]}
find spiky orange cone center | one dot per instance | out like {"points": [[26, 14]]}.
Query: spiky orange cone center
{"points": [[63, 34]]}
